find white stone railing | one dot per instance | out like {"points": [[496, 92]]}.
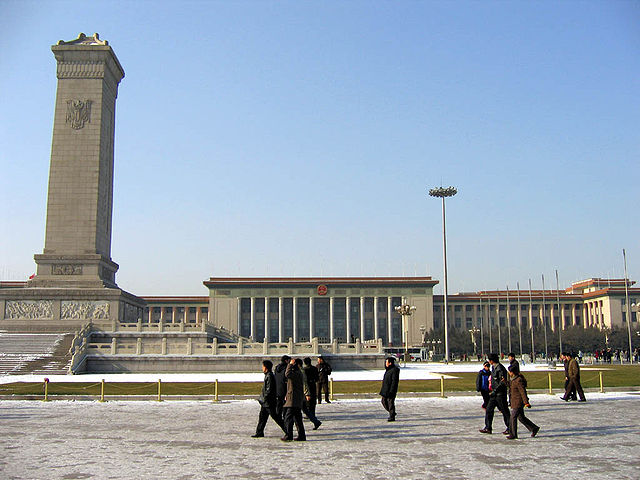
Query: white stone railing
{"points": [[79, 346]]}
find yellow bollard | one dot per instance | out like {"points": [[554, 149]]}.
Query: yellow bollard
{"points": [[331, 389], [215, 398], [550, 388], [102, 391], [159, 390], [601, 383], [442, 386], [46, 390]]}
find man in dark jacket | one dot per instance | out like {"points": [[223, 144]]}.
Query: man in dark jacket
{"points": [[390, 388], [497, 395], [293, 403], [571, 395], [310, 381], [281, 383], [267, 401], [482, 383], [324, 370]]}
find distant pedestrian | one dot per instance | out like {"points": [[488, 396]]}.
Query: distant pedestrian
{"points": [[574, 379], [293, 403], [569, 393], [482, 383], [389, 388], [497, 394], [281, 383], [519, 400], [324, 371], [512, 360], [267, 401]]}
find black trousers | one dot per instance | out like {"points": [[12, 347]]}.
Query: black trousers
{"points": [[569, 394], [268, 410], [389, 404], [323, 386], [485, 398], [518, 414], [309, 409], [280, 406], [293, 415], [499, 401]]}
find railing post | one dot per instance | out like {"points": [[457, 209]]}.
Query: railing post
{"points": [[601, 383], [46, 390], [139, 325], [215, 397], [164, 345], [314, 345], [550, 388], [139, 346], [102, 391], [114, 346], [358, 346], [240, 346], [214, 346], [265, 346], [331, 389], [442, 386], [291, 346], [159, 389]]}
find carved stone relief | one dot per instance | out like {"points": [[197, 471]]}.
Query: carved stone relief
{"points": [[66, 269], [29, 309], [78, 113], [77, 310]]}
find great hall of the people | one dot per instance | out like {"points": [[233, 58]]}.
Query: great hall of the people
{"points": [[345, 309]]}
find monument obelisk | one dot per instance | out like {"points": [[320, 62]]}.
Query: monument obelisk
{"points": [[75, 277], [77, 249]]}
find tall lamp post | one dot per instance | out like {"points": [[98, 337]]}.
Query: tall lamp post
{"points": [[406, 311], [443, 193], [626, 303]]}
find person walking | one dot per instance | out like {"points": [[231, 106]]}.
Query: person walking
{"points": [[281, 383], [482, 383], [519, 400], [574, 379], [390, 388], [267, 401], [310, 374], [324, 370], [497, 394], [571, 395], [293, 403]]}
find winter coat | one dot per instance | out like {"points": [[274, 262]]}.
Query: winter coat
{"points": [[499, 380], [324, 370], [390, 382], [281, 381], [268, 394], [574, 369], [482, 380], [518, 392], [295, 387], [310, 380]]}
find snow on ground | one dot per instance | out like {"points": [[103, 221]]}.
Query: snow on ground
{"points": [[433, 438], [412, 371]]}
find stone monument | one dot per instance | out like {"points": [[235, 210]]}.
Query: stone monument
{"points": [[75, 276]]}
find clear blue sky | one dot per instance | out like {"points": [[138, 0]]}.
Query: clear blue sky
{"points": [[299, 138]]}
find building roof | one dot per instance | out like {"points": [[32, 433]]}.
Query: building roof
{"points": [[313, 282]]}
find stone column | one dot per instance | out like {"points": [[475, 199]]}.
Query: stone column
{"points": [[331, 319], [266, 319], [295, 319], [280, 321], [311, 336], [376, 334], [389, 316], [173, 314], [347, 307], [362, 319], [253, 319]]}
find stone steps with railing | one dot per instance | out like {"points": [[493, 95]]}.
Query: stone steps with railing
{"points": [[22, 353]]}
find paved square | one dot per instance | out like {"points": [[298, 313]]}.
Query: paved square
{"points": [[433, 438]]}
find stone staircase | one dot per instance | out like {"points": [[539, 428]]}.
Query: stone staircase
{"points": [[31, 353]]}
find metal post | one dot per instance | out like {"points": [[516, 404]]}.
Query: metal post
{"points": [[442, 386], [509, 320], [544, 323], [159, 390], [102, 390], [331, 389], [550, 389], [601, 383], [533, 346], [519, 319], [46, 390], [560, 319], [626, 296], [215, 391]]}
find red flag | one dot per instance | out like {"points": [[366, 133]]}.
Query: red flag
{"points": [[31, 276]]}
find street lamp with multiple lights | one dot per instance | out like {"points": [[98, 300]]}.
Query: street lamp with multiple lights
{"points": [[406, 311], [442, 192]]}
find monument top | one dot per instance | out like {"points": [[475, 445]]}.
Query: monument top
{"points": [[84, 40]]}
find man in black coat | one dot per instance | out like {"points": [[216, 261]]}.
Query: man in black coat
{"points": [[281, 383], [497, 394], [293, 403], [390, 388], [310, 381], [267, 401], [324, 370]]}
